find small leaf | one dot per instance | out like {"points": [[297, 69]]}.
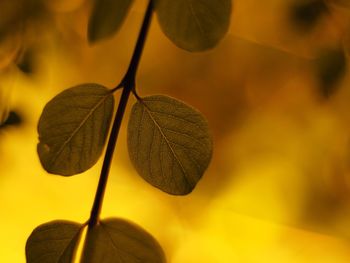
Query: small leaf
{"points": [[106, 18], [116, 240], [169, 143], [194, 25], [73, 129], [53, 242]]}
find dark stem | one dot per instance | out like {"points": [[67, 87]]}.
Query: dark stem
{"points": [[128, 82]]}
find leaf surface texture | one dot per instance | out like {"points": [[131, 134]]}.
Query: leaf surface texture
{"points": [[169, 143], [194, 25], [53, 242], [73, 129]]}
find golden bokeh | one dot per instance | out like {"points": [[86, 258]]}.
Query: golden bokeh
{"points": [[278, 188]]}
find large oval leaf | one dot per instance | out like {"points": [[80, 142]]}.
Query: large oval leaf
{"points": [[53, 242], [119, 241], [73, 129], [194, 25], [169, 143], [106, 18]]}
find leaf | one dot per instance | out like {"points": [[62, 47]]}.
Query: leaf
{"points": [[53, 242], [73, 129], [194, 25], [106, 18], [118, 241], [169, 143]]}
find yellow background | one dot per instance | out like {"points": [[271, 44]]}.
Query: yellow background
{"points": [[278, 187]]}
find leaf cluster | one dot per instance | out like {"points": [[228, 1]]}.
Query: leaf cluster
{"points": [[169, 142]]}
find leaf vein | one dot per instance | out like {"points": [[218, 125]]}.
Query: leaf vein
{"points": [[201, 29], [187, 135], [168, 143], [54, 158]]}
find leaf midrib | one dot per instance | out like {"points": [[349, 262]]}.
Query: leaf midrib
{"points": [[149, 112], [55, 157], [190, 4]]}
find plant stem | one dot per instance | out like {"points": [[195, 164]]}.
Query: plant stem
{"points": [[128, 84]]}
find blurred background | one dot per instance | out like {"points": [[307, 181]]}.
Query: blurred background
{"points": [[276, 92]]}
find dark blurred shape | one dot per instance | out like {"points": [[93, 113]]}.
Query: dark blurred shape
{"points": [[15, 13], [13, 119], [341, 3], [17, 17], [330, 66], [306, 13], [26, 61], [10, 17]]}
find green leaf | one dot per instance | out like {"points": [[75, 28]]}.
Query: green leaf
{"points": [[169, 143], [194, 25], [118, 241], [73, 129], [106, 18], [53, 242]]}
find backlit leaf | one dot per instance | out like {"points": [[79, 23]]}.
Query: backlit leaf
{"points": [[53, 242], [194, 25], [106, 18], [73, 129], [169, 143], [118, 241]]}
